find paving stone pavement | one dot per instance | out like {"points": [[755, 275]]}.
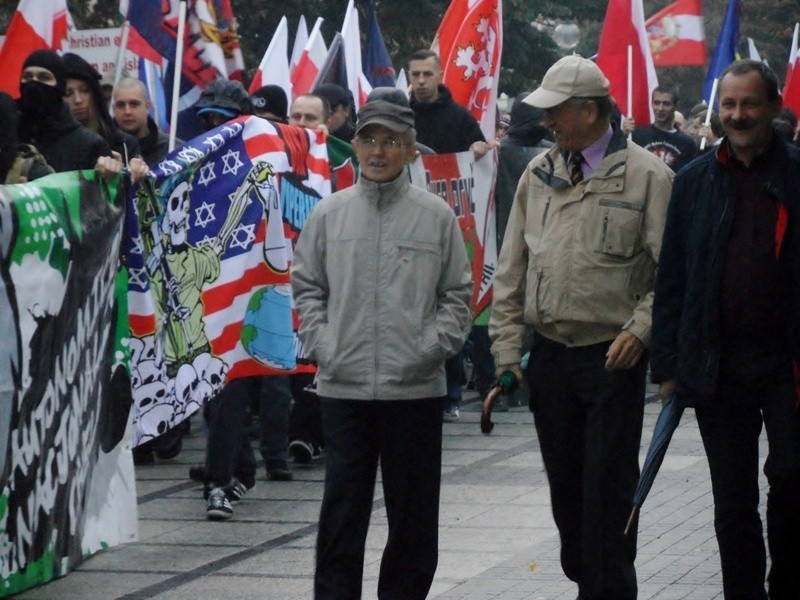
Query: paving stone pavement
{"points": [[497, 537]]}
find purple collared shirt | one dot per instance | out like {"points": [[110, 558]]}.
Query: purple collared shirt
{"points": [[593, 154]]}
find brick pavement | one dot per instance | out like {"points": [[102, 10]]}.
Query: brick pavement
{"points": [[497, 537]]}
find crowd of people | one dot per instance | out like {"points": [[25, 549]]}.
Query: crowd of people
{"points": [[673, 245]]}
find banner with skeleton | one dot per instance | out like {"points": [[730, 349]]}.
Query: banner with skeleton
{"points": [[210, 234], [66, 483], [467, 186]]}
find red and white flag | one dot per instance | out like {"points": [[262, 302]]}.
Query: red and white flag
{"points": [[791, 87], [300, 39], [676, 34], [624, 27], [351, 35], [469, 42], [36, 25], [310, 62], [274, 67]]}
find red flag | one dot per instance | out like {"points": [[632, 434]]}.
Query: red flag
{"points": [[310, 62], [274, 67], [36, 25], [469, 42], [676, 35], [791, 87], [624, 27]]}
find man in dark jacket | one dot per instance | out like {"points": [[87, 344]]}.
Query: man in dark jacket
{"points": [[131, 112], [46, 121], [726, 327], [440, 122], [446, 127]]}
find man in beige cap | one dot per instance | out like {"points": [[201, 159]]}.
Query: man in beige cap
{"points": [[578, 264], [382, 285]]}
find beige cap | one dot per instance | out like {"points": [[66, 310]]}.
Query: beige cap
{"points": [[570, 77]]}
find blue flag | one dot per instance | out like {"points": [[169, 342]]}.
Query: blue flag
{"points": [[377, 63], [149, 74], [725, 52]]}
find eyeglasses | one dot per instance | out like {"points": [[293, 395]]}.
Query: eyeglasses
{"points": [[390, 143]]}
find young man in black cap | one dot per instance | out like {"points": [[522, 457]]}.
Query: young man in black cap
{"points": [[382, 285], [269, 102]]}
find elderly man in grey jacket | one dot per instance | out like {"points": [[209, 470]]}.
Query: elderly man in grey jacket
{"points": [[382, 285]]}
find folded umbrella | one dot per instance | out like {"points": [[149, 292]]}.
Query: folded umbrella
{"points": [[662, 434], [506, 383]]}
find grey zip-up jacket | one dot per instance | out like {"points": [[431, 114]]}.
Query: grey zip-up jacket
{"points": [[579, 263], [382, 285]]}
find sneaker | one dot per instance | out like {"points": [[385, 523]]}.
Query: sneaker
{"points": [[143, 456], [218, 508], [198, 473], [318, 454], [278, 470], [171, 446], [235, 491], [301, 452], [451, 415]]}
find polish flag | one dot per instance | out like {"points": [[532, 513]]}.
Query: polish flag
{"points": [[791, 87], [351, 35], [274, 67], [300, 39], [676, 34], [36, 25], [624, 27], [470, 42], [310, 62]]}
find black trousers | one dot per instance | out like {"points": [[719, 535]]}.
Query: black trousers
{"points": [[228, 450], [405, 437], [730, 426], [589, 423]]}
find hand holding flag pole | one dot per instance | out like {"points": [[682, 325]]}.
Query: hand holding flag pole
{"points": [[708, 111]]}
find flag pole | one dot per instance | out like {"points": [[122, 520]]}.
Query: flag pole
{"points": [[123, 45], [176, 80], [630, 86], [709, 109]]}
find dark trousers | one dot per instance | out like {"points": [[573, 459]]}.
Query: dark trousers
{"points": [[228, 450], [589, 424], [730, 426], [305, 422], [405, 437], [482, 360], [275, 401]]}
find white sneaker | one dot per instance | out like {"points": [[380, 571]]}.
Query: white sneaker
{"points": [[451, 415]]}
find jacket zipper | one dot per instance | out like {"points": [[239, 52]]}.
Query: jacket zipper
{"points": [[376, 312], [605, 228]]}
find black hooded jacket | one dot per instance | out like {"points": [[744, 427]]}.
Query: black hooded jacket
{"points": [[65, 144], [444, 125]]}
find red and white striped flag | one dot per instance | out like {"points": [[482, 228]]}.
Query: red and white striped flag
{"points": [[310, 63], [36, 25], [351, 36], [218, 304], [274, 67], [624, 27], [469, 42], [676, 34], [300, 39]]}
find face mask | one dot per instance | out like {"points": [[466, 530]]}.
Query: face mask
{"points": [[39, 99]]}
